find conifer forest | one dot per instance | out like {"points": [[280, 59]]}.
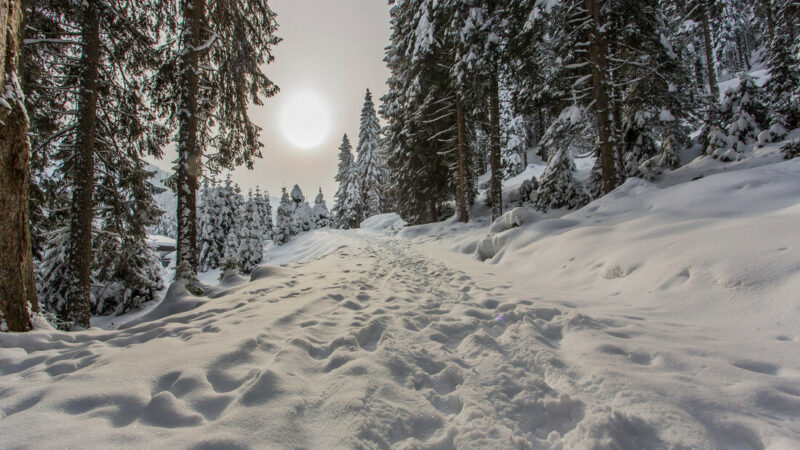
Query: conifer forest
{"points": [[523, 224]]}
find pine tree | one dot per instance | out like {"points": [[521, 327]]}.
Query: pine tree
{"points": [[96, 57], [211, 75], [264, 213], [284, 222], [369, 163], [251, 246], [127, 269], [558, 187], [743, 112], [514, 136], [320, 213], [347, 207], [301, 212], [211, 240]]}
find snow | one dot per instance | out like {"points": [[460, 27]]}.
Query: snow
{"points": [[660, 316]]}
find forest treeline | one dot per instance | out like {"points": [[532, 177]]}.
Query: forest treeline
{"points": [[476, 84], [102, 85]]}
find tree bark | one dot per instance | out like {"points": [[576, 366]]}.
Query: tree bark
{"points": [[770, 20], [17, 288], [463, 211], [189, 152], [495, 187], [711, 68], [597, 54], [79, 255]]}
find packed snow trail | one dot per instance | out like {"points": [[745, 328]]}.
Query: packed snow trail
{"points": [[382, 342]]}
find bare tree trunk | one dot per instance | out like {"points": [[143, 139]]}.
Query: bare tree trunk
{"points": [[463, 211], [495, 187], [597, 54], [711, 68], [17, 288], [82, 210], [189, 152]]}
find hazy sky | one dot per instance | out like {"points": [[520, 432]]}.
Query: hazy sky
{"points": [[334, 48]]}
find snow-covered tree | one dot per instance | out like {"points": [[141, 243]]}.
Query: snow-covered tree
{"points": [[284, 222], [210, 75], [264, 213], [558, 187], [211, 238], [513, 136], [370, 164], [347, 207], [250, 245], [742, 111], [320, 213], [301, 212]]}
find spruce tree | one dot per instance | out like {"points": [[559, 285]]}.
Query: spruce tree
{"points": [[742, 113], [558, 187], [284, 222], [251, 245], [347, 206], [264, 213], [211, 240], [370, 164], [301, 212], [97, 58], [211, 75], [320, 213]]}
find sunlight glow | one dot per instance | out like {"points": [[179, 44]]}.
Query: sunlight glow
{"points": [[304, 120]]}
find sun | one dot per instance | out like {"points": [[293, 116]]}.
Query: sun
{"points": [[304, 120]]}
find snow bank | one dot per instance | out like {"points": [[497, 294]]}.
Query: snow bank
{"points": [[384, 222]]}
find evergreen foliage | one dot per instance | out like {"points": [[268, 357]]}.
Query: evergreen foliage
{"points": [[743, 113], [348, 205], [284, 221], [558, 187], [250, 245], [370, 164], [320, 214]]}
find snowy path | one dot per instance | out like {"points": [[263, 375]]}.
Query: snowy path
{"points": [[390, 342]]}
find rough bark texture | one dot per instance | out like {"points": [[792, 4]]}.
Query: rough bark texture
{"points": [[17, 288], [496, 182], [597, 54], [463, 211], [82, 209], [712, 70], [189, 152]]}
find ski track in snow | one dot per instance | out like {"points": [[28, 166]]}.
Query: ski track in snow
{"points": [[394, 340]]}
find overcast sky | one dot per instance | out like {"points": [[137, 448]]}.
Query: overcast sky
{"points": [[334, 48]]}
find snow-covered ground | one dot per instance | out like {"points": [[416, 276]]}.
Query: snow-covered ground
{"points": [[662, 316]]}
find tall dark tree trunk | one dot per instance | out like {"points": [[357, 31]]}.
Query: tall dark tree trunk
{"points": [[463, 211], [82, 210], [711, 68], [189, 152], [602, 104], [17, 289], [770, 19], [496, 181]]}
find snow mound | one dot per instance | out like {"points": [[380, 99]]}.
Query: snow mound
{"points": [[384, 222]]}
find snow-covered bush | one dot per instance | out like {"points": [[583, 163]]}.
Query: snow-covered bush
{"points": [[742, 112], [558, 187]]}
